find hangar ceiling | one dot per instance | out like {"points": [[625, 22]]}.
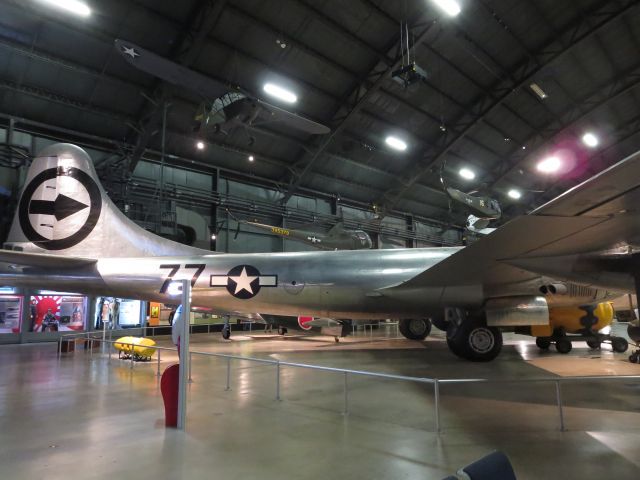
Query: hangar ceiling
{"points": [[60, 75]]}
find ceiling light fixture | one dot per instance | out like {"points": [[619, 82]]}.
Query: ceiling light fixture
{"points": [[250, 158], [549, 165], [538, 91], [396, 143], [515, 194], [467, 174], [590, 140], [280, 93], [213, 236], [200, 145], [450, 7], [74, 6]]}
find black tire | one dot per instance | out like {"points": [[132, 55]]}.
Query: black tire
{"points": [[226, 333], [594, 344], [282, 330], [563, 345], [634, 357], [473, 340], [619, 344], [415, 328], [543, 343]]}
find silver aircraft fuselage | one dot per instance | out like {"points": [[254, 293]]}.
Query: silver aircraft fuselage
{"points": [[288, 284]]}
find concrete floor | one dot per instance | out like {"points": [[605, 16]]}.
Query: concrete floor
{"points": [[81, 417]]}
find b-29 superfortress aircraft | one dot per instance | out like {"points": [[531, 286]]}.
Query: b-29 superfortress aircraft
{"points": [[579, 249]]}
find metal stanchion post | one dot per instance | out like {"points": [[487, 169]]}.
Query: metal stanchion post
{"points": [[228, 387], [190, 362], [346, 395], [158, 372], [185, 356], [59, 347], [436, 402], [131, 352], [278, 380], [559, 400]]}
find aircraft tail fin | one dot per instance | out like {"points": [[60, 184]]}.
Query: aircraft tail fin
{"points": [[63, 210], [336, 229]]}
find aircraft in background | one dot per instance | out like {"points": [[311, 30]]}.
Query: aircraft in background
{"points": [[337, 238], [482, 209], [225, 107], [586, 240]]}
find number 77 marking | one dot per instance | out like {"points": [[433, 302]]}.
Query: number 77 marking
{"points": [[174, 268]]}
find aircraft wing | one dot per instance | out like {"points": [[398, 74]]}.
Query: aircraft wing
{"points": [[169, 71], [42, 260], [600, 214], [277, 114]]}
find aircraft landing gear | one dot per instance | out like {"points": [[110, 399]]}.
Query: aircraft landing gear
{"points": [[415, 328], [594, 340], [226, 330], [473, 340], [282, 330]]}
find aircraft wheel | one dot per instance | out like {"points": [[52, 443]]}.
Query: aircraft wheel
{"points": [[226, 333], [543, 343], [282, 330], [475, 341], [595, 344], [563, 345], [634, 357], [619, 344], [415, 328]]}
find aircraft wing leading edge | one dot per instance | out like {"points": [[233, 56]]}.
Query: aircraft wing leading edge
{"points": [[597, 215]]}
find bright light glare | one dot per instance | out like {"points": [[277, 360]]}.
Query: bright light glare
{"points": [[467, 174], [549, 165], [590, 140], [175, 288], [396, 143], [200, 145], [515, 194], [73, 6], [279, 92], [213, 236], [450, 7], [251, 159]]}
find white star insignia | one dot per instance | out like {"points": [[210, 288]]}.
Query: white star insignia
{"points": [[243, 282], [130, 51]]}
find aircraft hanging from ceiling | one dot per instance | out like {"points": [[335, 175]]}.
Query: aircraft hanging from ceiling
{"points": [[337, 238], [482, 209], [585, 243], [225, 107]]}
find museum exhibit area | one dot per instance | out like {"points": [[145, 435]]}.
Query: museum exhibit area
{"points": [[441, 194]]}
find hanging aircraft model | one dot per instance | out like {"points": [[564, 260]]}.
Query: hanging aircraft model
{"points": [[482, 209], [337, 238], [587, 240], [224, 107]]}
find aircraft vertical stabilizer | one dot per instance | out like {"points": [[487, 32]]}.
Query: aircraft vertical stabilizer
{"points": [[63, 210]]}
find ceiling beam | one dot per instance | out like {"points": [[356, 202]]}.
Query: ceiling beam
{"points": [[577, 32], [189, 44]]}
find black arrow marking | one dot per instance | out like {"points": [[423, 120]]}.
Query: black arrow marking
{"points": [[61, 208]]}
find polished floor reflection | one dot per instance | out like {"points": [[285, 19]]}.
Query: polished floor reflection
{"points": [[81, 416]]}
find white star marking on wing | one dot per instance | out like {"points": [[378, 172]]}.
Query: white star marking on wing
{"points": [[130, 51], [243, 282]]}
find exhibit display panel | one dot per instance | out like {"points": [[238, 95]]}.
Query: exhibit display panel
{"points": [[58, 312], [10, 313], [113, 313]]}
